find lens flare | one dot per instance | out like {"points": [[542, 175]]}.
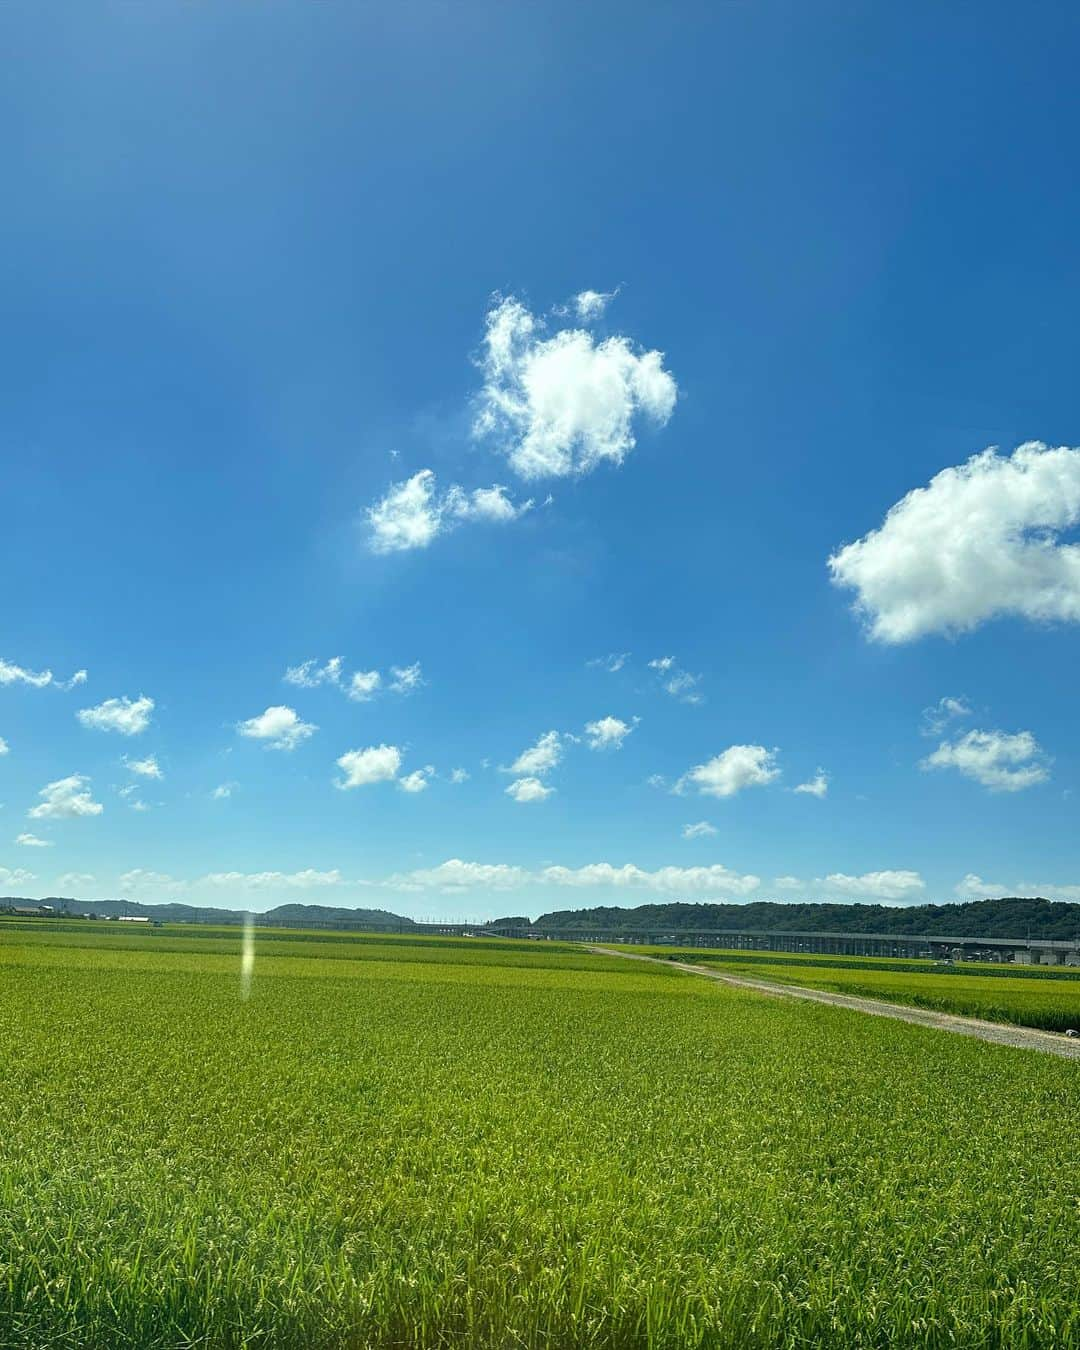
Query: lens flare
{"points": [[247, 958]]}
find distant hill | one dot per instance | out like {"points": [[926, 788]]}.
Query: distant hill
{"points": [[977, 918], [172, 912]]}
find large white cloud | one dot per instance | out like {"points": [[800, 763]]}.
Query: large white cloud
{"points": [[65, 799], [413, 513], [128, 716], [887, 885], [981, 540], [1000, 761], [564, 404], [280, 728], [375, 764], [735, 769], [457, 874]]}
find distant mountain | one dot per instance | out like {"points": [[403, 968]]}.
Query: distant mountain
{"points": [[979, 918], [172, 912]]}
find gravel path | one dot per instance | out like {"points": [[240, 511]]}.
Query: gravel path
{"points": [[1025, 1038]]}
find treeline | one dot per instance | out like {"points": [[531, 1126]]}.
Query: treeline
{"points": [[977, 918]]}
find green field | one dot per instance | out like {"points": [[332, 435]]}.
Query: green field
{"points": [[400, 1142], [1048, 998]]}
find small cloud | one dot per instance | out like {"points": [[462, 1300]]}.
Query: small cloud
{"points": [[4, 747], [656, 780], [972, 887], [940, 714], [608, 733], [818, 786], [528, 790], [413, 513], [364, 685], [375, 764], [223, 791], [418, 780], [590, 305], [680, 684], [701, 830], [128, 716], [540, 758], [146, 768], [612, 663], [789, 884], [13, 674], [406, 678], [32, 841], [995, 759], [889, 885], [735, 769], [459, 776], [66, 799], [279, 727], [309, 674]]}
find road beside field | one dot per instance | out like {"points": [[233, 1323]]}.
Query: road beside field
{"points": [[1024, 1038]]}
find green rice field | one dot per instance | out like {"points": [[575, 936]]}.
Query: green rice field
{"points": [[1047, 998], [399, 1142]]}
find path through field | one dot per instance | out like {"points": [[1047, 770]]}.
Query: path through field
{"points": [[1026, 1038]]}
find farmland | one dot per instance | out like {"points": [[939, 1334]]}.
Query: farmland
{"points": [[411, 1142], [1032, 997]]}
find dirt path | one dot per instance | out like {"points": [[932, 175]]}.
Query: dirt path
{"points": [[1025, 1038]]}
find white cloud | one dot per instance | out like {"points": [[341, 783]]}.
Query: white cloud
{"points": [[223, 791], [668, 879], [74, 880], [564, 404], [413, 513], [456, 874], [375, 764], [656, 780], [590, 305], [146, 768], [309, 674], [364, 685], [141, 879], [897, 885], [540, 758], [612, 663], [459, 776], [80, 677], [280, 727], [4, 747], [608, 733], [996, 759], [938, 716], [980, 541], [678, 683], [700, 830], [528, 790], [972, 887], [258, 881], [418, 780], [406, 678], [13, 674], [789, 884], [32, 841], [128, 716], [818, 786], [15, 877], [65, 799], [737, 768]]}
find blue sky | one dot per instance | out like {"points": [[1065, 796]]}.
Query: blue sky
{"points": [[479, 346]]}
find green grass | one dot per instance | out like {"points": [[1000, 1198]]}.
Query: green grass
{"points": [[417, 1144], [1049, 999]]}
